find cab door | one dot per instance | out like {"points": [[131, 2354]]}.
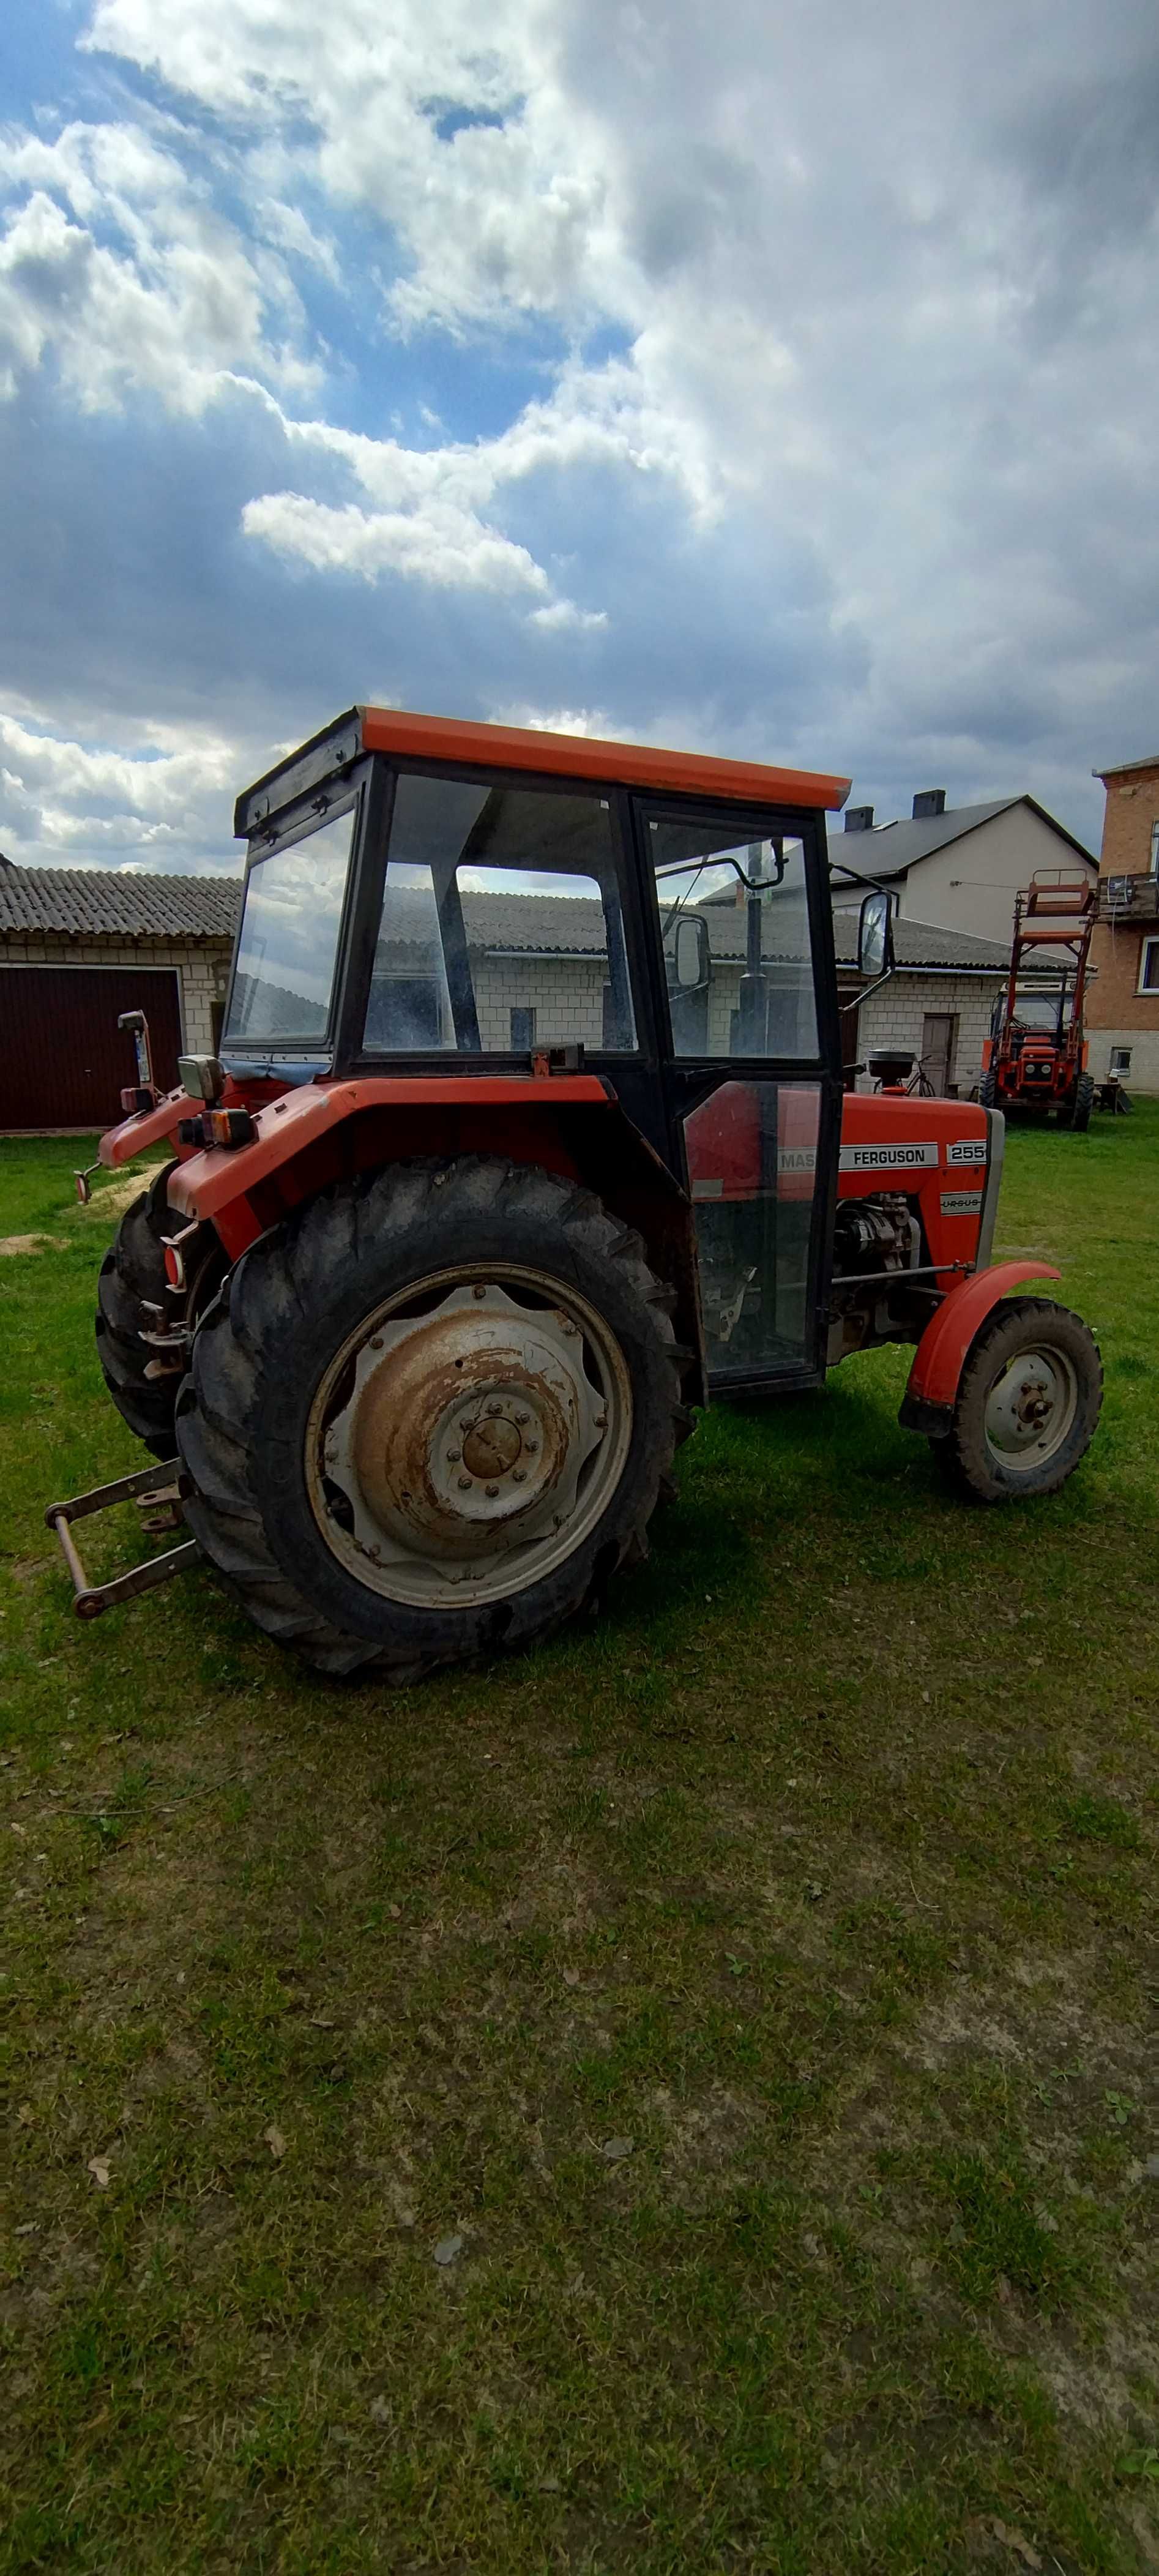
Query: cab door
{"points": [[752, 1076]]}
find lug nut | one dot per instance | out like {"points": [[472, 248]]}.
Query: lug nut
{"points": [[494, 1410], [491, 1491], [376, 1341], [531, 1446], [519, 1475], [453, 1457], [521, 1418], [464, 1484], [478, 1292]]}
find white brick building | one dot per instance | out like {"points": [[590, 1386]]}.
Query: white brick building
{"points": [[77, 947], [960, 868], [937, 1005]]}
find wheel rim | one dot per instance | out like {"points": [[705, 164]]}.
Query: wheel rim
{"points": [[468, 1436], [1030, 1408]]}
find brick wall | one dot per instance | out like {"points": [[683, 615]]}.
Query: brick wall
{"points": [[1117, 1014], [201, 967], [1132, 808]]}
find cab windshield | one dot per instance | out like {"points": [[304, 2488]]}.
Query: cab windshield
{"points": [[283, 986], [1043, 1013]]}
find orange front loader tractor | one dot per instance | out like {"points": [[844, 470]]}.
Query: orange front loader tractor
{"points": [[527, 1133], [1035, 1057]]}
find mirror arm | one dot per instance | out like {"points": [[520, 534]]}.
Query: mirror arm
{"points": [[874, 885], [875, 987]]}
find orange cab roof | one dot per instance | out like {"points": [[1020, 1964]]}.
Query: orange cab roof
{"points": [[571, 755]]}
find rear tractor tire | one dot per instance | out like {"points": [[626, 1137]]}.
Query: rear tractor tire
{"points": [[429, 1415], [134, 1298], [1028, 1403]]}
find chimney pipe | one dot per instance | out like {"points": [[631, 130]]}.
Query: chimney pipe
{"points": [[859, 818], [928, 804]]}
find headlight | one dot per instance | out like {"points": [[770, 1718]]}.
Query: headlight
{"points": [[201, 1076]]}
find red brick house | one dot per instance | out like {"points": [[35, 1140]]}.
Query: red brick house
{"points": [[1123, 1001]]}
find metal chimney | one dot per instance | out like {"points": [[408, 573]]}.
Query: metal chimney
{"points": [[929, 803], [859, 818]]}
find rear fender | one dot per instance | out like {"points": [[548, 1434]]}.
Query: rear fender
{"points": [[569, 1124], [940, 1357], [123, 1143]]}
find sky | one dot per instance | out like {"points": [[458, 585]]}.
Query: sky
{"points": [[780, 382]]}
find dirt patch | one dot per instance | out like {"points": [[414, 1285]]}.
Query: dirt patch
{"points": [[31, 1243], [114, 1200]]}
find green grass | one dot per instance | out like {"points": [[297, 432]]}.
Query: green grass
{"points": [[820, 1872]]}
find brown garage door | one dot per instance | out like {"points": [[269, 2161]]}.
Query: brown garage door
{"points": [[63, 1059]]}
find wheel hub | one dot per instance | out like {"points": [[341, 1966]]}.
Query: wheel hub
{"points": [[461, 1446], [1030, 1407]]}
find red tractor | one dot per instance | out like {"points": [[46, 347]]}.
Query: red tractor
{"points": [[528, 1132], [1035, 1057]]}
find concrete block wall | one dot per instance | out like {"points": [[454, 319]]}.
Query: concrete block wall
{"points": [[894, 1015], [566, 995]]}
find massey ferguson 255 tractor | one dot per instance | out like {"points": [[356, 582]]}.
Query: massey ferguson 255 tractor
{"points": [[527, 1134]]}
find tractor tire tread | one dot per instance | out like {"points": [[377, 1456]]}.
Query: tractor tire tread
{"points": [[132, 1277]]}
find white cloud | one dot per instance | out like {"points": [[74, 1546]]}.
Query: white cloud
{"points": [[582, 720], [563, 617], [437, 542], [866, 479], [119, 266], [165, 805], [463, 138]]}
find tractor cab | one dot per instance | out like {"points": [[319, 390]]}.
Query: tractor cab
{"points": [[651, 923], [527, 1134]]}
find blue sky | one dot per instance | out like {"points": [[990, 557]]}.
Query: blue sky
{"points": [[781, 383]]}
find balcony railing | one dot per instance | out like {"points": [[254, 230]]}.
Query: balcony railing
{"points": [[1129, 898]]}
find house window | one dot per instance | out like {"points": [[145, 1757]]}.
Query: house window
{"points": [[1120, 1064], [1155, 847], [1149, 967], [522, 1032]]}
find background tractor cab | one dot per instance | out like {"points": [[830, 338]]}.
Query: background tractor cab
{"points": [[528, 1132]]}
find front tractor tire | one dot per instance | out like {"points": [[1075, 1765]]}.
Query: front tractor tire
{"points": [[1078, 1117], [1028, 1403], [429, 1415]]}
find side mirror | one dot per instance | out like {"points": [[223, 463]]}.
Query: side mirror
{"points": [[690, 960], [138, 1028], [875, 934]]}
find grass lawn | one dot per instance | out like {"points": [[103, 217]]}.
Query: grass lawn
{"points": [[678, 2101]]}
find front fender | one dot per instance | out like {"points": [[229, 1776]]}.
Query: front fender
{"points": [[940, 1357]]}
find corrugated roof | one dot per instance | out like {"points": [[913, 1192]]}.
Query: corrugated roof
{"points": [[93, 903], [925, 943], [107, 903], [892, 847]]}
